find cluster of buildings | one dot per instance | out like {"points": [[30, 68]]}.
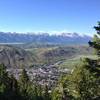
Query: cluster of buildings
{"points": [[46, 75]]}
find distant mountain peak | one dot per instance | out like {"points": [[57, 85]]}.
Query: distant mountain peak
{"points": [[65, 38]]}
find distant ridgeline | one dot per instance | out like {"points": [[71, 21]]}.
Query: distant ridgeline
{"points": [[65, 38]]}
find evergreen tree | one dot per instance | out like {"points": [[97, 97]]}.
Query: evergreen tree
{"points": [[46, 93], [25, 86], [83, 84], [96, 41], [8, 86], [14, 89], [24, 79], [38, 92], [4, 83], [61, 92]]}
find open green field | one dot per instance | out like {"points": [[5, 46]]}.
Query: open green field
{"points": [[71, 63]]}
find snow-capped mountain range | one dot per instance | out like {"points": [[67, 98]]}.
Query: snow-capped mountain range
{"points": [[63, 38]]}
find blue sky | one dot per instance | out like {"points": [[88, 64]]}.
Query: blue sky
{"points": [[49, 15]]}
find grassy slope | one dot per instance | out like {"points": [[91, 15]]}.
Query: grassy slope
{"points": [[38, 54], [70, 63], [69, 55]]}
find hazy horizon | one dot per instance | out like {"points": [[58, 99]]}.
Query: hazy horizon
{"points": [[50, 16]]}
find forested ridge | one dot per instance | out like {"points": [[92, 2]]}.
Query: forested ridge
{"points": [[83, 83]]}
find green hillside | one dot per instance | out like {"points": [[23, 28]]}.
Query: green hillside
{"points": [[50, 55]]}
